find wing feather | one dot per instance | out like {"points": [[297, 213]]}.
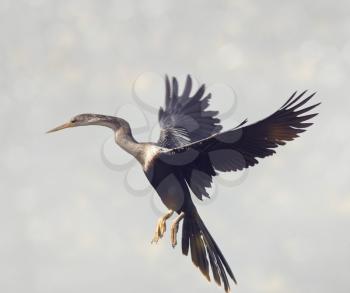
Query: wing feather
{"points": [[241, 147], [185, 119]]}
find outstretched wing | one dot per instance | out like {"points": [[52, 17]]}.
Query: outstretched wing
{"points": [[239, 148], [185, 118]]}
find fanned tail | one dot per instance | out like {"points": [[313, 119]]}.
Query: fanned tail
{"points": [[204, 250]]}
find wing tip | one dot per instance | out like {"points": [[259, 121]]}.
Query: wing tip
{"points": [[292, 105]]}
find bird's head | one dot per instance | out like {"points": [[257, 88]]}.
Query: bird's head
{"points": [[92, 119]]}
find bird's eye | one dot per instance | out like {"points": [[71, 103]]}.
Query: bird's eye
{"points": [[73, 120]]}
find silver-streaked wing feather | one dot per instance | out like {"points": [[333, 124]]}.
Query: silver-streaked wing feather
{"points": [[185, 118], [240, 147]]}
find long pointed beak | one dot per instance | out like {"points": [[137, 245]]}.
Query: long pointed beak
{"points": [[63, 126]]}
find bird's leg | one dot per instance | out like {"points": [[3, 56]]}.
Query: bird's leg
{"points": [[175, 229], [161, 226]]}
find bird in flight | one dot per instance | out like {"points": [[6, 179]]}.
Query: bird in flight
{"points": [[190, 151]]}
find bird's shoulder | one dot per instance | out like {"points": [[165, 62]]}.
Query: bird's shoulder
{"points": [[151, 153]]}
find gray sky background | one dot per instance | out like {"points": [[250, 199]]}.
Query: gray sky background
{"points": [[68, 222]]}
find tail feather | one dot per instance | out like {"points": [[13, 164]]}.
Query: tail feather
{"points": [[222, 258], [185, 236], [196, 237]]}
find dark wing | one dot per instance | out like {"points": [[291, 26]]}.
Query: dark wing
{"points": [[239, 148], [185, 118]]}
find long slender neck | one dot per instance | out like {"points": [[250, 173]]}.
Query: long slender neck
{"points": [[123, 135], [126, 141]]}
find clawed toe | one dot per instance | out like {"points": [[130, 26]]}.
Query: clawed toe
{"points": [[175, 229], [161, 227], [173, 235], [160, 231]]}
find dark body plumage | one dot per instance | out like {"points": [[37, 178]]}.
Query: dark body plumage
{"points": [[191, 150], [194, 150]]}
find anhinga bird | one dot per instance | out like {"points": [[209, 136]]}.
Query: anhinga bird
{"points": [[191, 150]]}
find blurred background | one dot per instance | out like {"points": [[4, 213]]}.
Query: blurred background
{"points": [[68, 219]]}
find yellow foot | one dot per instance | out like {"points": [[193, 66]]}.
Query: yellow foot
{"points": [[175, 229], [161, 227]]}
